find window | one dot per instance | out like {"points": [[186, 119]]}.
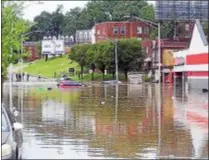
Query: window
{"points": [[115, 30], [98, 32], [146, 30], [85, 35], [186, 27], [80, 35], [122, 30], [139, 30]]}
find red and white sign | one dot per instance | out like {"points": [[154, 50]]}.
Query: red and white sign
{"points": [[179, 61]]}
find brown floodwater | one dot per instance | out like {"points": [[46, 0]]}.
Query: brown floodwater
{"points": [[110, 121]]}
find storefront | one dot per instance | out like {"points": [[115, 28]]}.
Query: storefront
{"points": [[179, 69], [193, 63]]}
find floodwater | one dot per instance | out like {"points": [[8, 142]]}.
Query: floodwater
{"points": [[108, 121]]}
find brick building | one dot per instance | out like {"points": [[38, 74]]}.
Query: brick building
{"points": [[31, 47], [168, 46], [122, 29]]}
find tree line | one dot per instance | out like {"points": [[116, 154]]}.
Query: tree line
{"points": [[102, 55], [58, 23]]}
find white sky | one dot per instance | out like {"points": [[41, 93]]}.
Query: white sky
{"points": [[32, 8]]}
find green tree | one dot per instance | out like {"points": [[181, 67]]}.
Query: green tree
{"points": [[78, 54], [101, 55], [85, 18], [12, 27], [130, 55], [51, 24]]}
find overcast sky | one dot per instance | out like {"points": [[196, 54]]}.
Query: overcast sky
{"points": [[32, 8]]}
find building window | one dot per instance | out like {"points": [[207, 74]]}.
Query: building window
{"points": [[80, 35], [98, 32], [122, 30], [115, 30], [139, 30], [186, 27], [85, 35], [146, 30]]}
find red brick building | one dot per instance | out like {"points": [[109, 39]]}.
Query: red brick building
{"points": [[31, 47], [179, 42], [122, 29]]}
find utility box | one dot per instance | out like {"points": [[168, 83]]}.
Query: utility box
{"points": [[135, 77]]}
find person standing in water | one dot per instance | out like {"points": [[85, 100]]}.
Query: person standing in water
{"points": [[28, 76]]}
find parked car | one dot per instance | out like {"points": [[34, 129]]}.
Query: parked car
{"points": [[11, 131]]}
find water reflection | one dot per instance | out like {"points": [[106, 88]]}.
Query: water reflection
{"points": [[135, 121]]}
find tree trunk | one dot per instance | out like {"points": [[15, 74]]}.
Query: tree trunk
{"points": [[46, 58], [126, 75], [113, 75], [92, 76], [82, 72]]}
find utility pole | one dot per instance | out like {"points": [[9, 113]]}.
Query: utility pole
{"points": [[116, 59], [10, 84]]}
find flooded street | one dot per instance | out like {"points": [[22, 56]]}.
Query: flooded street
{"points": [[96, 122]]}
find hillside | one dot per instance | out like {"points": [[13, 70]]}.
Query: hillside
{"points": [[47, 69]]}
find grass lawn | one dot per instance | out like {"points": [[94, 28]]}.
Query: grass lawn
{"points": [[47, 69]]}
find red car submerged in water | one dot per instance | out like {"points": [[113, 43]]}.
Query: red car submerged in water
{"points": [[67, 82]]}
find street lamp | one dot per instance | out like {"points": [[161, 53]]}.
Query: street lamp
{"points": [[158, 27], [115, 43]]}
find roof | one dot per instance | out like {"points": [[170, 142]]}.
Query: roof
{"points": [[201, 31], [117, 22]]}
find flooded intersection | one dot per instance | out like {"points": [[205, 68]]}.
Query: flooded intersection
{"points": [[96, 122]]}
